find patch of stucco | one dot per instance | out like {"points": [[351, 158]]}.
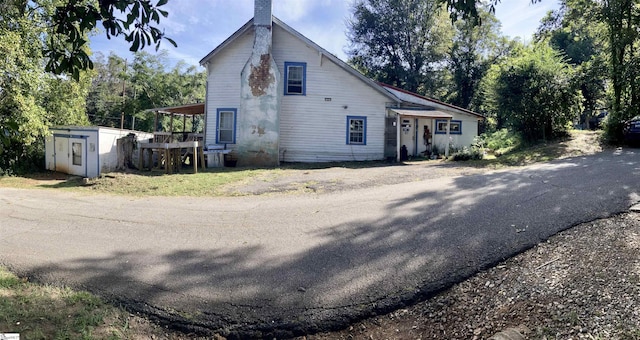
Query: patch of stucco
{"points": [[261, 77]]}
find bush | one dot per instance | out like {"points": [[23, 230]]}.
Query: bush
{"points": [[501, 140], [467, 154]]}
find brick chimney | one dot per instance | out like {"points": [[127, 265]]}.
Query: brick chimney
{"points": [[258, 123]]}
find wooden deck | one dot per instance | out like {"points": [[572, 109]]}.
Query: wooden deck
{"points": [[171, 155]]}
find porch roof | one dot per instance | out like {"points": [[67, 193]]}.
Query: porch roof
{"points": [[423, 113], [187, 110]]}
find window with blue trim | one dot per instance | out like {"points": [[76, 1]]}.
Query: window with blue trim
{"points": [[226, 128], [295, 78], [356, 130], [454, 129]]}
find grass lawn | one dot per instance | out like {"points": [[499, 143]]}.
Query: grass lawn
{"points": [[46, 312], [204, 183]]}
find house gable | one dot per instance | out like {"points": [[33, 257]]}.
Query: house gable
{"points": [[312, 123]]}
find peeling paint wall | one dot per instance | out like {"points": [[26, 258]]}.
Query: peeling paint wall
{"points": [[260, 102]]}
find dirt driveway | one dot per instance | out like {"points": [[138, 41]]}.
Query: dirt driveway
{"points": [[330, 178]]}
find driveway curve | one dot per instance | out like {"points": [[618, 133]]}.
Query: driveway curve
{"points": [[285, 265]]}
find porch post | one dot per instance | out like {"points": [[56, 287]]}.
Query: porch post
{"points": [[397, 137], [446, 146]]}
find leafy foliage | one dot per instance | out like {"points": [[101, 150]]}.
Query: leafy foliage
{"points": [[31, 99], [531, 93], [137, 86], [501, 141], [66, 51], [622, 19], [475, 48], [402, 43], [572, 31], [467, 154], [601, 38]]}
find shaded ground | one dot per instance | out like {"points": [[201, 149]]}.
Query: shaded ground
{"points": [[583, 283]]}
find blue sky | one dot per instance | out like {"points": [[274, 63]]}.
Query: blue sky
{"points": [[198, 26]]}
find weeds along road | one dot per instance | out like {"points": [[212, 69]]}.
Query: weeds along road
{"points": [[284, 265]]}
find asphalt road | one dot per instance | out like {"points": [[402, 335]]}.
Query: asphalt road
{"points": [[286, 265]]}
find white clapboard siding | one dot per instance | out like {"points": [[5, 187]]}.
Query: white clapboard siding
{"points": [[313, 127], [223, 80], [469, 132]]}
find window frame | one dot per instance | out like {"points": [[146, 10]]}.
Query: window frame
{"points": [[76, 153], [219, 112], [451, 131], [364, 130], [288, 64]]}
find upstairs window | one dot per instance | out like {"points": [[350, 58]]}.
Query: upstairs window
{"points": [[356, 130], [226, 132], [295, 78]]}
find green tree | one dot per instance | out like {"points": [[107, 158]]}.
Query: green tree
{"points": [[475, 48], [30, 98], [154, 85], [572, 31], [105, 99], [148, 82], [622, 19], [400, 42], [73, 20], [39, 38], [531, 93]]}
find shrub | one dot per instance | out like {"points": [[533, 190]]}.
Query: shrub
{"points": [[467, 154], [501, 140]]}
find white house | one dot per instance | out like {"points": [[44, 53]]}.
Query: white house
{"points": [[275, 96], [86, 151]]}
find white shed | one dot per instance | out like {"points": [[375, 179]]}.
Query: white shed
{"points": [[86, 151]]}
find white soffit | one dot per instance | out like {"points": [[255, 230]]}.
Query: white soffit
{"points": [[423, 113]]}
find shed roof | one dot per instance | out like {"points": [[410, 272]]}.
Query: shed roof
{"points": [[188, 109], [423, 113]]}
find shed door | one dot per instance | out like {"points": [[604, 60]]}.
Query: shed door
{"points": [[71, 155], [61, 155], [77, 156]]}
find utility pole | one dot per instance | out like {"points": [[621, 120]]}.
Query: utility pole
{"points": [[124, 87]]}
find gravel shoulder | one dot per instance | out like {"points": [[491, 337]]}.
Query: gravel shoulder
{"points": [[583, 283]]}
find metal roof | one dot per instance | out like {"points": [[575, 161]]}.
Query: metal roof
{"points": [[189, 109]]}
